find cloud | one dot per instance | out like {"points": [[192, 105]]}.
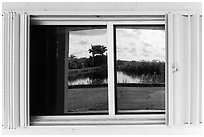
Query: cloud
{"points": [[132, 43], [83, 42], [126, 33], [145, 54], [137, 31], [147, 44], [162, 56], [133, 51], [92, 32], [145, 50], [163, 49], [121, 48]]}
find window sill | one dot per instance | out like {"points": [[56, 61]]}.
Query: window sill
{"points": [[150, 119], [106, 130]]}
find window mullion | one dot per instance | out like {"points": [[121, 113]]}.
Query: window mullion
{"points": [[111, 77]]}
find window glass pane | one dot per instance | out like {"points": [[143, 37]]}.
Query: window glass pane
{"points": [[140, 69], [87, 71], [68, 70]]}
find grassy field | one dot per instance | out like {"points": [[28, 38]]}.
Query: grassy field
{"points": [[129, 98]]}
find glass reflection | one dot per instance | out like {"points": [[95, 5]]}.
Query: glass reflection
{"points": [[68, 70], [140, 66], [87, 71]]}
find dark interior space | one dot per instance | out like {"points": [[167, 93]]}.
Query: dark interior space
{"points": [[46, 70]]}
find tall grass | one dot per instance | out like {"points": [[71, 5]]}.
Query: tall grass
{"points": [[149, 71], [141, 67]]}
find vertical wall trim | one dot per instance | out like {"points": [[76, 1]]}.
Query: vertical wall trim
{"points": [[194, 69], [166, 71], [28, 69], [200, 72], [189, 73], [11, 72], [16, 70], [177, 64], [22, 72], [26, 40], [4, 67], [170, 70], [198, 68], [25, 68], [7, 46]]}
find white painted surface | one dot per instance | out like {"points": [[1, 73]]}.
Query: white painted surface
{"points": [[195, 57], [185, 96], [111, 80], [107, 130], [103, 6], [170, 74], [176, 75]]}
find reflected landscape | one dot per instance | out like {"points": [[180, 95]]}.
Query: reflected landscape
{"points": [[140, 65], [87, 91], [99, 77], [140, 71], [69, 63]]}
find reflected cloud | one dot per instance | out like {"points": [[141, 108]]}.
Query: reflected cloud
{"points": [[140, 44], [132, 43], [133, 51], [145, 50], [163, 49], [128, 33], [160, 55], [137, 32], [145, 54], [147, 44], [83, 42]]}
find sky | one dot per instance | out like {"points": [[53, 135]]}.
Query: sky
{"points": [[132, 44]]}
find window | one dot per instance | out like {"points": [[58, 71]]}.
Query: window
{"points": [[140, 68], [67, 67], [101, 70]]}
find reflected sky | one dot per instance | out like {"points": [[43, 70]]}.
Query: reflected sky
{"points": [[140, 44], [80, 41], [132, 44]]}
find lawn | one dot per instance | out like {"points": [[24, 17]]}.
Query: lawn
{"points": [[129, 98]]}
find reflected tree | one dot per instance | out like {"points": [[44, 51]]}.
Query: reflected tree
{"points": [[97, 50]]}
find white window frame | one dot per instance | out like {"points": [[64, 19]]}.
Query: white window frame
{"points": [[112, 118]]}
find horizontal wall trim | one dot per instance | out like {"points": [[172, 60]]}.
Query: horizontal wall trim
{"points": [[143, 12], [88, 17]]}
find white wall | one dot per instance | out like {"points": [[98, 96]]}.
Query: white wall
{"points": [[106, 130], [103, 6]]}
